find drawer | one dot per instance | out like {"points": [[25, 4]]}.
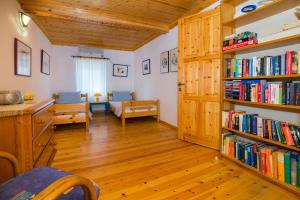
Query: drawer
{"points": [[41, 141], [41, 119], [47, 155]]}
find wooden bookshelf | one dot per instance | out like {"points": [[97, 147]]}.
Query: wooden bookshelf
{"points": [[260, 139], [268, 10], [289, 40], [290, 108], [229, 26], [293, 76], [289, 187]]}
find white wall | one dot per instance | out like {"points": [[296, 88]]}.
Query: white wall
{"points": [[156, 85], [64, 69], [39, 84]]}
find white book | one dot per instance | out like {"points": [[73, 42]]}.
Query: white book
{"points": [[241, 122]]}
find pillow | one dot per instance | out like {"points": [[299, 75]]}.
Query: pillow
{"points": [[121, 96], [68, 98]]}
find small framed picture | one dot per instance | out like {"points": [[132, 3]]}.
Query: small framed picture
{"points": [[45, 62], [173, 60], [164, 62], [146, 67], [22, 59], [120, 70]]}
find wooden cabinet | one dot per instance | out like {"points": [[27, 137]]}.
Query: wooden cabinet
{"points": [[199, 73], [26, 132]]}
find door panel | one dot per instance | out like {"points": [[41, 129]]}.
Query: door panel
{"points": [[199, 79]]}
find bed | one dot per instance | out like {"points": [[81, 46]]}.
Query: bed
{"points": [[124, 105], [71, 107]]}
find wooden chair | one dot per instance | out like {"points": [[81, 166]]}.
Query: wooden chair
{"points": [[64, 185]]}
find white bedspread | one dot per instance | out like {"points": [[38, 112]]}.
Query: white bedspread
{"points": [[116, 106]]}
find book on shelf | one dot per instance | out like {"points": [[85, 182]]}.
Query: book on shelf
{"points": [[285, 64], [261, 91], [254, 124], [269, 160]]}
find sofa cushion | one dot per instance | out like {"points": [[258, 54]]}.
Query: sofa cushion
{"points": [[34, 181], [68, 98], [121, 96]]}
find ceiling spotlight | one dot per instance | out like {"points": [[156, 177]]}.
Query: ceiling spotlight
{"points": [[24, 19]]}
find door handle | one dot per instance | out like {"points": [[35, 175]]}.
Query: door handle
{"points": [[180, 84]]}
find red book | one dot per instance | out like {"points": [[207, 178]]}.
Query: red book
{"points": [[287, 134], [259, 92], [289, 62], [240, 91], [263, 161]]}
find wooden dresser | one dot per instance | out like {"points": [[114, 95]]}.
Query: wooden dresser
{"points": [[26, 131]]}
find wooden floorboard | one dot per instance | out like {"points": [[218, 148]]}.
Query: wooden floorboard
{"points": [[147, 161]]}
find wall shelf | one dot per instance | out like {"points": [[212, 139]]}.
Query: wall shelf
{"points": [[260, 139], [289, 40], [291, 108], [268, 10], [289, 187], [293, 76]]}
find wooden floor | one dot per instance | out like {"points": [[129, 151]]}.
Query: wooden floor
{"points": [[146, 161]]}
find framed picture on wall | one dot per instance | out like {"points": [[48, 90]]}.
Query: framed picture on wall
{"points": [[146, 67], [173, 60], [45, 62], [22, 59], [120, 70], [164, 62]]}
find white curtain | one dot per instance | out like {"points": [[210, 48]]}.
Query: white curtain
{"points": [[91, 75]]}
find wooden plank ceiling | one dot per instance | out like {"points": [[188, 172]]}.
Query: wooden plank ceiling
{"points": [[110, 24]]}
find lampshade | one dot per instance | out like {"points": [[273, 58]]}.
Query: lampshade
{"points": [[24, 19], [97, 94]]}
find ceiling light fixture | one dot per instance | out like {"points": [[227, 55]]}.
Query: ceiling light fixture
{"points": [[24, 19]]}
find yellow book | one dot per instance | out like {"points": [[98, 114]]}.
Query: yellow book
{"points": [[280, 165], [275, 167]]}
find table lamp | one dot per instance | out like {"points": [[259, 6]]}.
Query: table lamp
{"points": [[97, 95]]}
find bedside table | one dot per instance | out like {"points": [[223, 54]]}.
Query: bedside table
{"points": [[92, 103]]}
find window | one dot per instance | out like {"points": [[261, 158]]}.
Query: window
{"points": [[91, 75]]}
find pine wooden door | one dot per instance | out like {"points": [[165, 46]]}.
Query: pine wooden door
{"points": [[199, 79]]}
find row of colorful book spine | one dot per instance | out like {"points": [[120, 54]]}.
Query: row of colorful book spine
{"points": [[261, 91], [262, 127], [269, 160], [285, 64]]}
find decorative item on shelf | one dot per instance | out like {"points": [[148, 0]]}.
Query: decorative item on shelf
{"points": [[24, 19], [248, 8], [28, 96], [164, 62], [22, 59], [239, 40], [97, 96], [10, 97], [120, 70], [45, 62], [173, 60], [146, 67]]}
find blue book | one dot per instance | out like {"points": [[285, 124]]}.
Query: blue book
{"points": [[250, 67], [244, 125], [254, 125], [282, 64], [273, 64], [274, 131]]}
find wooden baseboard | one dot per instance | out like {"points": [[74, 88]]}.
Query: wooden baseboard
{"points": [[167, 124]]}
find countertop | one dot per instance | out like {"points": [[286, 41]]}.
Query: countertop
{"points": [[24, 108]]}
